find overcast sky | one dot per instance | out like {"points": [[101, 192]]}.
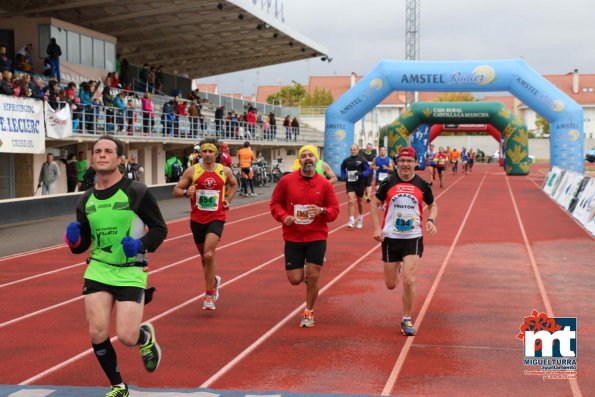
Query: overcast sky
{"points": [[554, 37]]}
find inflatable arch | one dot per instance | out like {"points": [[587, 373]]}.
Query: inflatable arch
{"points": [[515, 76], [514, 131]]}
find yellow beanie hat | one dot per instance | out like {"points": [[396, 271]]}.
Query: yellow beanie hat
{"points": [[311, 148]]}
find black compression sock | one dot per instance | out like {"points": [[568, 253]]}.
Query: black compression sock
{"points": [[106, 355]]}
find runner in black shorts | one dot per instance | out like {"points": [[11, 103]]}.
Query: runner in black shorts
{"points": [[369, 153], [200, 230], [298, 254], [403, 194], [355, 171], [304, 202]]}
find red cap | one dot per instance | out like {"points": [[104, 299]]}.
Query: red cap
{"points": [[223, 145], [406, 152]]}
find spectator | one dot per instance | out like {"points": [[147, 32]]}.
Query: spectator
{"points": [[38, 90], [108, 103], [81, 169], [133, 170], [159, 78], [219, 112], [48, 175], [173, 169], [71, 172], [251, 121], [148, 113], [47, 67], [5, 63], [143, 76], [295, 127], [6, 83], [193, 114], [287, 126], [88, 179], [130, 115], [54, 52], [225, 157], [167, 118], [273, 123]]}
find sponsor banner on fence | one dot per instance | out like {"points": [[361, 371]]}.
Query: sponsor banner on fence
{"points": [[570, 189], [58, 123], [552, 180], [584, 209], [563, 190], [21, 125]]}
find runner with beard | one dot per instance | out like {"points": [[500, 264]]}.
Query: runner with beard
{"points": [[304, 202]]}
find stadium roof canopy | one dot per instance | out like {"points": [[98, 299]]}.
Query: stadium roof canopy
{"points": [[198, 38]]}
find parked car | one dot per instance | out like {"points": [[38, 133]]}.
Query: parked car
{"points": [[496, 156], [590, 156]]}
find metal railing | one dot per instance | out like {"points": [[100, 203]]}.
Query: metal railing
{"points": [[133, 122]]}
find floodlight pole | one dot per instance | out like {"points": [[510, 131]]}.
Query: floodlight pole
{"points": [[412, 29]]}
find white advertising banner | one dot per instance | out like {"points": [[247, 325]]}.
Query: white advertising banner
{"points": [[58, 123], [584, 212], [21, 125]]}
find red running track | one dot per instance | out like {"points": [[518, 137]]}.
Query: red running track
{"points": [[503, 249]]}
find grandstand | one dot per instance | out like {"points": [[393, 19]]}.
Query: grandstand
{"points": [[188, 39]]}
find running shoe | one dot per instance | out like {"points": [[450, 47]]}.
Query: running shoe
{"points": [[360, 223], [307, 319], [118, 391], [351, 224], [150, 351], [217, 284], [209, 303], [407, 328]]}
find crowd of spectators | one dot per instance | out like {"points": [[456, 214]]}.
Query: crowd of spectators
{"points": [[127, 111]]}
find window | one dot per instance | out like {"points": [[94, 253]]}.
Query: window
{"points": [[86, 50], [44, 40], [110, 57], [74, 45], [60, 35], [98, 53]]}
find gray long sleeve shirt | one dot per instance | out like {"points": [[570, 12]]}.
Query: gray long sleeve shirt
{"points": [[49, 173]]}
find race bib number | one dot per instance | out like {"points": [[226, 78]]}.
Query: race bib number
{"points": [[403, 223], [352, 176], [300, 214], [382, 176], [207, 200]]}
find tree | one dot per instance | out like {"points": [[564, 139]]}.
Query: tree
{"points": [[320, 97], [543, 125], [455, 97], [382, 134], [291, 95]]}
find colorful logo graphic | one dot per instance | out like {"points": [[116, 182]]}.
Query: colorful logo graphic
{"points": [[573, 135], [549, 343], [340, 135], [376, 83], [487, 73], [557, 105]]}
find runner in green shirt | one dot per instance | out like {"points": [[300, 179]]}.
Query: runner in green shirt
{"points": [[111, 219]]}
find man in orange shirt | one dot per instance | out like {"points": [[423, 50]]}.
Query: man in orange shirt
{"points": [[454, 160], [246, 157]]}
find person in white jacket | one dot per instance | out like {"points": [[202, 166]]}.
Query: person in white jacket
{"points": [[48, 175]]}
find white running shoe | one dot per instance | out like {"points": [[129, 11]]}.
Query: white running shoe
{"points": [[351, 224], [209, 303], [360, 223]]}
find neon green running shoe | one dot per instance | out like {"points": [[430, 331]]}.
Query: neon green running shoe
{"points": [[118, 391], [150, 351]]}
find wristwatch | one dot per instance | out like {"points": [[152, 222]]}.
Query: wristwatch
{"points": [[322, 211], [185, 192], [432, 220]]}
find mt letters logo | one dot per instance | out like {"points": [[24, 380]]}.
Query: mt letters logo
{"points": [[549, 345]]}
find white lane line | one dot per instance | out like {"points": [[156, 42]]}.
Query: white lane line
{"points": [[163, 314], [227, 367], [576, 391], [392, 379]]}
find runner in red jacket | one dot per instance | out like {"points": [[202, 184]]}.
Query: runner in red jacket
{"points": [[305, 202]]}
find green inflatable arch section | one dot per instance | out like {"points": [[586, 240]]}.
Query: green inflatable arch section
{"points": [[514, 131]]}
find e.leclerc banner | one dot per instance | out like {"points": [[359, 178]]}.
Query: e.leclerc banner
{"points": [[21, 125]]}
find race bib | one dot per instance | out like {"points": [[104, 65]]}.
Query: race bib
{"points": [[382, 176], [403, 223], [351, 176], [300, 214], [207, 200]]}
